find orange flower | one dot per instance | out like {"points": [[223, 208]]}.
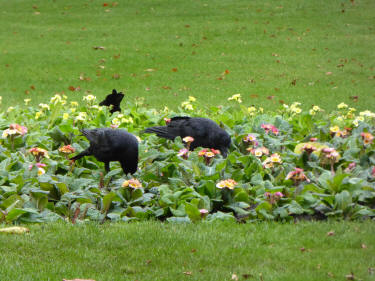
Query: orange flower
{"points": [[67, 149]]}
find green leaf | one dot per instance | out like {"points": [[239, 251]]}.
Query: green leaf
{"points": [[193, 212]]}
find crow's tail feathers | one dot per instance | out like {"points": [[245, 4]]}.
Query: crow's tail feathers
{"points": [[160, 131]]}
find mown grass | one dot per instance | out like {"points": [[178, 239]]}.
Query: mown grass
{"points": [[167, 50], [157, 251]]}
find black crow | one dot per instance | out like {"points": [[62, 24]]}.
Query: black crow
{"points": [[206, 133], [113, 99], [112, 145]]}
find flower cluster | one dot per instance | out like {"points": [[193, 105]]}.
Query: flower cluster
{"points": [[271, 161], [259, 151], [133, 183], [187, 105], [253, 111], [184, 153], [293, 109], [67, 149], [229, 183], [14, 129], [273, 197], [297, 176], [251, 139], [39, 153], [315, 109], [208, 154], [329, 155], [336, 132], [270, 128], [56, 99], [367, 138]]}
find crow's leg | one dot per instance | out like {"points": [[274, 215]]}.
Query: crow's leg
{"points": [[106, 166], [82, 154]]}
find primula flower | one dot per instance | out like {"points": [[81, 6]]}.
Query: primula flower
{"points": [[272, 160], [350, 167], [252, 110], [89, 98], [251, 139], [44, 106], [259, 151], [65, 116], [309, 148], [330, 155], [188, 139], [133, 183], [27, 101], [229, 183], [14, 129], [342, 105], [167, 120], [74, 104], [67, 149], [208, 154], [367, 138], [58, 99], [184, 153], [39, 153], [187, 105], [192, 99], [10, 109], [81, 116], [297, 176], [236, 97], [273, 197], [41, 171], [269, 127], [203, 212]]}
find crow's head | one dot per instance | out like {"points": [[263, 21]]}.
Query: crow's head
{"points": [[113, 99]]}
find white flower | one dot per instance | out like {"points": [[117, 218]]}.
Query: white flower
{"points": [[44, 106], [27, 101], [192, 99], [38, 114], [81, 116], [89, 98]]}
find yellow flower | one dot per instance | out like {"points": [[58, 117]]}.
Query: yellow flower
{"points": [[56, 99], [27, 101], [67, 149], [187, 105], [342, 105], [236, 97], [66, 116], [39, 152], [44, 106], [229, 183], [275, 158], [10, 109], [38, 114], [74, 103], [316, 108], [81, 116], [334, 129], [133, 183], [192, 99]]}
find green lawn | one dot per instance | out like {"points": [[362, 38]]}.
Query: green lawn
{"points": [[316, 52], [162, 251]]}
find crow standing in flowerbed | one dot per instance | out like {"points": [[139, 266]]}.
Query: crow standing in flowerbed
{"points": [[205, 132], [112, 145]]}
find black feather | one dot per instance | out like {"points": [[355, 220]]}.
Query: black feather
{"points": [[206, 133], [108, 145], [113, 100]]}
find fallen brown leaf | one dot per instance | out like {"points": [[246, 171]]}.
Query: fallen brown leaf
{"points": [[174, 69], [247, 275], [187, 272]]}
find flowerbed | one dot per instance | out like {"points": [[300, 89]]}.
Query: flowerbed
{"points": [[281, 166]]}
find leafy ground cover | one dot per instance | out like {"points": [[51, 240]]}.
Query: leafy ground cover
{"points": [[282, 165], [218, 251], [319, 52]]}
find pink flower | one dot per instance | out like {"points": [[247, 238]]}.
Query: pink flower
{"points": [[350, 167], [373, 171], [270, 127], [251, 139], [67, 149], [203, 212], [273, 197], [367, 138], [184, 153], [167, 120]]}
